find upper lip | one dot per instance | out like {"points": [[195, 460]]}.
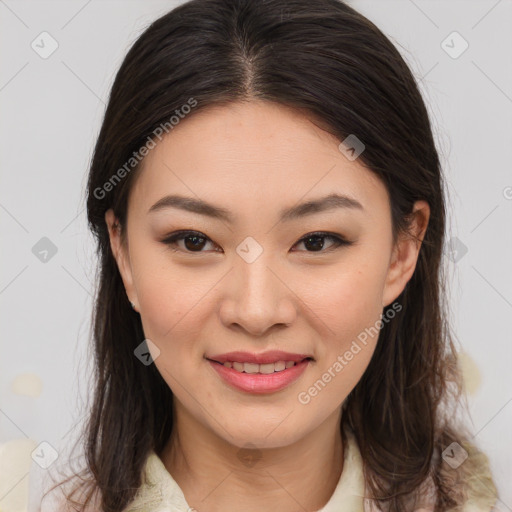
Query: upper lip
{"points": [[271, 356]]}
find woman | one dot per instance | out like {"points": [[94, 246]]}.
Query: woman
{"points": [[270, 331]]}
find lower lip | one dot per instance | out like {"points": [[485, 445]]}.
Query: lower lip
{"points": [[259, 382]]}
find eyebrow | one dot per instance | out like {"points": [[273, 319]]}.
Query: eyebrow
{"points": [[191, 204]]}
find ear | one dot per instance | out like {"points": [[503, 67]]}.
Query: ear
{"points": [[405, 254], [120, 252]]}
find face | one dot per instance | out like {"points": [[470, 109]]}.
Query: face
{"points": [[254, 280]]}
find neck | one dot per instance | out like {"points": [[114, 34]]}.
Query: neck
{"points": [[216, 476]]}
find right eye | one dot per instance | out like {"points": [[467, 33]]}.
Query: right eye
{"points": [[194, 241]]}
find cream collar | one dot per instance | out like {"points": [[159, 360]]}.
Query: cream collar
{"points": [[160, 492]]}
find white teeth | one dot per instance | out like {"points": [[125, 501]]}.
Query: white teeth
{"points": [[238, 367], [266, 368], [251, 368], [280, 365]]}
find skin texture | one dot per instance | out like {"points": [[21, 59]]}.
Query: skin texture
{"points": [[254, 159]]}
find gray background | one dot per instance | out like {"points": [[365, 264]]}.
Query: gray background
{"points": [[51, 110]]}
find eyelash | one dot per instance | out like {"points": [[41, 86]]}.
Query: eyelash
{"points": [[181, 235]]}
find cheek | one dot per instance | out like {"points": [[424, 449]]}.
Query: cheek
{"points": [[347, 299], [350, 307], [173, 315], [349, 303], [171, 311], [170, 297]]}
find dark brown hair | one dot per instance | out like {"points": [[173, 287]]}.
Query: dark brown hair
{"points": [[326, 59]]}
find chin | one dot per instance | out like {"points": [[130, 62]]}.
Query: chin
{"points": [[262, 435]]}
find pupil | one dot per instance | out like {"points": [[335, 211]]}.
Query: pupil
{"points": [[317, 245], [195, 238]]}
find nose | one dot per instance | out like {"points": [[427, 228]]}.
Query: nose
{"points": [[258, 299]]}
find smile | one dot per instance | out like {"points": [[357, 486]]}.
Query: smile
{"points": [[265, 369], [260, 378]]}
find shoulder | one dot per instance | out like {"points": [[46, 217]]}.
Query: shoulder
{"points": [[469, 479], [480, 487], [470, 484]]}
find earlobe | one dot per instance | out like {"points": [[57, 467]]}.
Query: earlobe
{"points": [[120, 254], [405, 254]]}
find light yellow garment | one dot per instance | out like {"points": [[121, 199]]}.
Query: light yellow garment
{"points": [[161, 493]]}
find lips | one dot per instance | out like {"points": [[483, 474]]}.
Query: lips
{"points": [[268, 357], [260, 378]]}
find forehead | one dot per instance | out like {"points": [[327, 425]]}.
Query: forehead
{"points": [[250, 156]]}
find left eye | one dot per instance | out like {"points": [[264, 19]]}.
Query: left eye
{"points": [[313, 240], [195, 241]]}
